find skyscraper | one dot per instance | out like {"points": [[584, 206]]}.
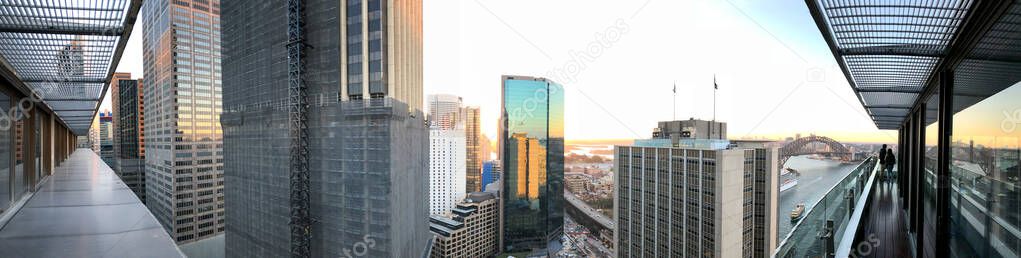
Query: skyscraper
{"points": [[697, 196], [71, 60], [184, 154], [532, 142], [114, 105], [129, 146], [106, 138], [444, 110], [362, 137], [446, 169], [473, 148]]}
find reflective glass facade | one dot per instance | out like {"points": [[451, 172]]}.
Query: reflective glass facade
{"points": [[6, 154], [532, 138], [129, 146], [985, 199]]}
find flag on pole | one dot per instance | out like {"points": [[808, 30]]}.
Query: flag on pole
{"points": [[715, 86], [675, 87]]}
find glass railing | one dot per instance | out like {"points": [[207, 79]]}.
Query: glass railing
{"points": [[820, 228]]}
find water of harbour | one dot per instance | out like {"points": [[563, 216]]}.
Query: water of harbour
{"points": [[817, 176]]}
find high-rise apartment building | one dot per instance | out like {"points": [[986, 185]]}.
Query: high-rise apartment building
{"points": [[129, 144], [446, 169], [182, 92], [696, 197], [532, 152], [473, 149], [364, 128], [471, 231], [106, 138]]}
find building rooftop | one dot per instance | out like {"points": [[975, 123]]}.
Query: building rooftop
{"points": [[476, 197]]}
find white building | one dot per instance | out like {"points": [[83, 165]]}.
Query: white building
{"points": [[444, 111], [446, 169]]}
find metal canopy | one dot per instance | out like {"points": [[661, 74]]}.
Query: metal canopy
{"points": [[65, 51], [888, 50]]}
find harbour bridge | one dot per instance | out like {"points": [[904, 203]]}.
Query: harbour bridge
{"points": [[797, 148]]}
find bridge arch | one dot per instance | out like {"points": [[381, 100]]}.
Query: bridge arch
{"points": [[797, 148]]}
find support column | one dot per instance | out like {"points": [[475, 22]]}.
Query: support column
{"points": [[946, 125]]}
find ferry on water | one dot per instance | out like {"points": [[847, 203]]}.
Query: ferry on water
{"points": [[798, 210], [788, 179]]}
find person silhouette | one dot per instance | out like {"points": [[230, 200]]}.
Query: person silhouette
{"points": [[891, 160]]}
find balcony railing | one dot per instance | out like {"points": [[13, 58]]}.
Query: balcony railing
{"points": [[823, 229]]}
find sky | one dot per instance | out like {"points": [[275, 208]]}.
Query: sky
{"points": [[619, 61]]}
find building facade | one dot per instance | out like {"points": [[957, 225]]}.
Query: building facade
{"points": [[129, 146], [490, 172], [182, 92], [532, 152], [115, 108], [367, 137], [473, 149], [471, 231], [446, 170], [106, 139], [674, 201], [444, 111]]}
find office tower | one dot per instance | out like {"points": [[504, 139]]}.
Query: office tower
{"points": [[532, 142], [114, 98], [472, 231], [362, 136], [444, 110], [446, 169], [182, 92], [696, 197], [473, 154], [490, 173], [129, 146], [485, 148], [106, 138], [94, 135], [71, 60]]}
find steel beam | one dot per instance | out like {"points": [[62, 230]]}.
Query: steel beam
{"points": [[68, 31]]}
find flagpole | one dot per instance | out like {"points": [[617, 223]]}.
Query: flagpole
{"points": [[715, 87], [675, 101]]}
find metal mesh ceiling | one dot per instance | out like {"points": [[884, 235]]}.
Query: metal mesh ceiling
{"points": [[64, 50], [890, 48], [993, 64]]}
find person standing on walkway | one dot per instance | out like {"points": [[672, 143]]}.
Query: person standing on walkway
{"points": [[890, 161], [882, 158]]}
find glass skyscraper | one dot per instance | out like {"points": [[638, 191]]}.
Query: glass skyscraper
{"points": [[182, 92], [532, 152], [129, 147]]}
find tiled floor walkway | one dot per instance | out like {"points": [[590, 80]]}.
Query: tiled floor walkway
{"points": [[85, 210]]}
